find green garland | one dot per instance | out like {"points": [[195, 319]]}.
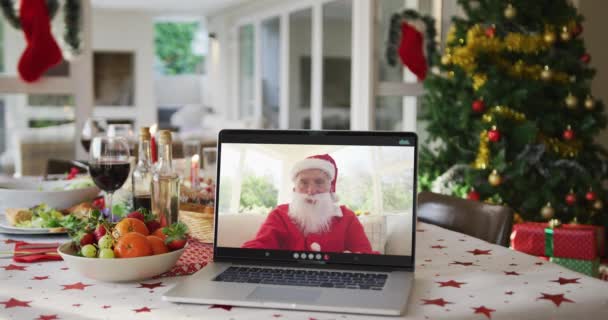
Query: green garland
{"points": [[71, 15], [394, 36]]}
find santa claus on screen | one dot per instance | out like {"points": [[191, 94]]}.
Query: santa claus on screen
{"points": [[312, 221]]}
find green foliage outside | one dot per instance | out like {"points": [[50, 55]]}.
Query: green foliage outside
{"points": [[174, 47], [535, 171], [257, 192]]}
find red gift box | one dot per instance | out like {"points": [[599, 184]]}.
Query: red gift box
{"points": [[573, 241]]}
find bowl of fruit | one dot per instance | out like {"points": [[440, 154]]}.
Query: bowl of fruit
{"points": [[134, 248]]}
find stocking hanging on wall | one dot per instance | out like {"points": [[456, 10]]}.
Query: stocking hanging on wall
{"points": [[411, 51]]}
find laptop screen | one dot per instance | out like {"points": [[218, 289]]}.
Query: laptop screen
{"points": [[316, 197]]}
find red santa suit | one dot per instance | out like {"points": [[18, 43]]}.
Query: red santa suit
{"points": [[279, 232]]}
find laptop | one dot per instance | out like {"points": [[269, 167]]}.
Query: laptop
{"points": [[311, 220]]}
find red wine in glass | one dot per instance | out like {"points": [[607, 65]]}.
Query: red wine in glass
{"points": [[109, 176]]}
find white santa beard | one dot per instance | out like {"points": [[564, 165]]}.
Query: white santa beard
{"points": [[313, 217]]}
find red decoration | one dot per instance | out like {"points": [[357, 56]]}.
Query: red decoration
{"points": [[40, 278], [73, 173], [450, 283], [75, 286], [144, 309], [577, 30], [438, 302], [556, 298], [411, 51], [568, 134], [480, 252], [494, 134], [221, 306], [586, 58], [590, 196], [42, 52], [478, 106], [491, 32], [571, 198], [473, 195], [509, 293], [153, 149], [511, 273], [466, 264], [14, 267], [438, 247], [12, 302], [151, 285], [106, 307], [563, 281], [487, 312], [47, 317]]}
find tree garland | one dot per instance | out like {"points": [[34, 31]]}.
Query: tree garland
{"points": [[71, 18], [393, 36]]}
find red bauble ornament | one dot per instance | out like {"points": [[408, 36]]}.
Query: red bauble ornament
{"points": [[478, 106], [494, 134], [578, 29], [571, 198], [491, 32], [568, 134], [585, 58], [590, 196], [473, 195]]}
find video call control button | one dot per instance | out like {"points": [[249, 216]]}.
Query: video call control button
{"points": [[318, 256], [311, 256], [296, 255]]}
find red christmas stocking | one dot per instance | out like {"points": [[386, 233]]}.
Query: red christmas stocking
{"points": [[411, 52], [42, 52]]}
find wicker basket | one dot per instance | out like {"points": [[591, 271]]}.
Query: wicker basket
{"points": [[199, 222]]}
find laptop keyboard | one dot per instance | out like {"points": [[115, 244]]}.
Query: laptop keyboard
{"points": [[306, 278]]}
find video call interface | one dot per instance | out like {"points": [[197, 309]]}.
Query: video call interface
{"points": [[316, 200]]}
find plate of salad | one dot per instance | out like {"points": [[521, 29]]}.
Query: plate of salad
{"points": [[42, 219]]}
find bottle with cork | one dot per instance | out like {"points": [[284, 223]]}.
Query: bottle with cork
{"points": [[165, 183], [142, 174]]}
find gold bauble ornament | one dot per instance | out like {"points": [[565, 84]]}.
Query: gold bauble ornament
{"points": [[510, 11], [571, 101], [589, 103], [494, 178], [546, 74], [598, 204], [547, 212], [565, 35], [554, 223], [445, 59], [549, 37]]}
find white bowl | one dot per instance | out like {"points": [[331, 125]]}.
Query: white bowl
{"points": [[17, 193], [119, 269]]}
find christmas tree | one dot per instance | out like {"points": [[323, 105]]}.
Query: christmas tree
{"points": [[511, 118]]}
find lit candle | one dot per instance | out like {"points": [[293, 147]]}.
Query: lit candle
{"points": [[153, 148], [194, 168]]}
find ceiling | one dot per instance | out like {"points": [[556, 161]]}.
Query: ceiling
{"points": [[189, 7]]}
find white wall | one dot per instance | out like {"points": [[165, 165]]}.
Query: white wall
{"points": [[131, 31], [177, 90]]}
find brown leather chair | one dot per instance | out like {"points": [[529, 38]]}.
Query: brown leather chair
{"points": [[488, 222]]}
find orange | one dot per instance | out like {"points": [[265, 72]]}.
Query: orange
{"points": [[132, 245], [159, 233], [158, 245], [127, 225]]}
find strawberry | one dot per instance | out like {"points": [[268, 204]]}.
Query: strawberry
{"points": [[152, 225], [99, 232], [176, 244], [99, 203], [176, 235], [87, 238], [136, 215]]}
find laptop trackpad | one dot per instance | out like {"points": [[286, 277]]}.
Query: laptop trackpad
{"points": [[284, 294]]}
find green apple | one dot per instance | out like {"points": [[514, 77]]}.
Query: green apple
{"points": [[89, 251], [106, 242], [106, 253]]}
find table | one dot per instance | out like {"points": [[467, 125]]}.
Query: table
{"points": [[457, 277]]}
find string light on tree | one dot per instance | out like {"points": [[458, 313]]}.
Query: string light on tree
{"points": [[570, 198], [598, 204], [549, 37], [546, 74], [547, 212], [510, 12], [568, 133], [494, 178], [565, 35], [494, 134], [571, 101], [589, 103]]}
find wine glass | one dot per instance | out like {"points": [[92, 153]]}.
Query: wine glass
{"points": [[92, 127], [109, 165], [123, 130]]}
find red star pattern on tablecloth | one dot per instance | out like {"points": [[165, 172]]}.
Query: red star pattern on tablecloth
{"points": [[556, 298], [511, 273], [450, 283], [151, 285], [12, 302], [47, 317], [14, 267], [40, 278], [277, 315], [76, 305], [144, 309], [480, 252], [221, 306], [106, 307], [75, 286], [509, 292], [539, 263], [487, 312], [466, 264], [563, 281], [438, 247], [439, 302]]}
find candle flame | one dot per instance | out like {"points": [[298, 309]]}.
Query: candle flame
{"points": [[153, 129], [195, 158]]}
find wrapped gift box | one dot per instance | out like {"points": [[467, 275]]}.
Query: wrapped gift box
{"points": [[588, 267], [572, 241]]}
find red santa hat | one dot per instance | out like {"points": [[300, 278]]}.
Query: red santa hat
{"points": [[323, 162]]}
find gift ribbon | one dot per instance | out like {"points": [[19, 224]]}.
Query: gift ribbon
{"points": [[549, 242]]}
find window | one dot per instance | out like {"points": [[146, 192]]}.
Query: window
{"points": [[178, 47], [246, 71]]}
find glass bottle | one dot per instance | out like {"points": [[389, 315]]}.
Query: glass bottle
{"points": [[142, 174], [165, 183]]}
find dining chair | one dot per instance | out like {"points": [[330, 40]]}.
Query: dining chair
{"points": [[488, 222]]}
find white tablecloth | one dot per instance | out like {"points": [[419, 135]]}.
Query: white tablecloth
{"points": [[457, 277]]}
